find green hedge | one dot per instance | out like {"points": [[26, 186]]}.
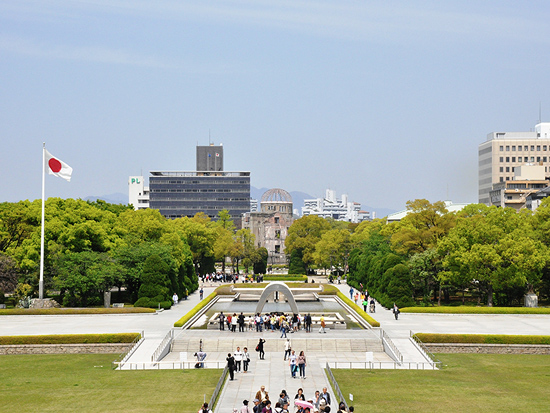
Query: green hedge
{"points": [[285, 277], [62, 311], [476, 310], [70, 339], [358, 309], [196, 309], [482, 338]]}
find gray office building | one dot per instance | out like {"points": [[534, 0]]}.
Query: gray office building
{"points": [[210, 158], [183, 194]]}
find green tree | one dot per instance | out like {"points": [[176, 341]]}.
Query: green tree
{"points": [[333, 249], [303, 235]]}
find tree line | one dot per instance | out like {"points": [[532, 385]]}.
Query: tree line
{"points": [[94, 247], [487, 254]]}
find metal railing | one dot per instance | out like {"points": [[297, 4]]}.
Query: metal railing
{"points": [[123, 357], [386, 340], [169, 365], [335, 386], [164, 344], [218, 388], [382, 365], [423, 349]]}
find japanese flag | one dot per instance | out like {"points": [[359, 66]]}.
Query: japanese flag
{"points": [[57, 167]]}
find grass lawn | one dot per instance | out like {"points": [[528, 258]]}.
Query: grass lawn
{"points": [[86, 383], [467, 383]]}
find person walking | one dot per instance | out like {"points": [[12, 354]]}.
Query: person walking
{"points": [[238, 355], [283, 328], [246, 359], [308, 323], [325, 395], [234, 323], [323, 324], [240, 321], [221, 319], [300, 395], [201, 293], [292, 362], [396, 311], [351, 293], [262, 396], [204, 409], [260, 348], [231, 366], [288, 347], [302, 364]]}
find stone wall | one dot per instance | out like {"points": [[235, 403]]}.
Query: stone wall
{"points": [[115, 348], [488, 348]]}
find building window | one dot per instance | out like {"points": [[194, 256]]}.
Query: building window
{"points": [[277, 249], [538, 148], [278, 233], [507, 178], [501, 159], [501, 179], [513, 158], [544, 148], [507, 169], [532, 147], [519, 148], [544, 159], [507, 159], [501, 169], [276, 220], [538, 158], [501, 148], [507, 148], [532, 159], [525, 159], [526, 148]]}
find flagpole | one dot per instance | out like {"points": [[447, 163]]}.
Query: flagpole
{"points": [[41, 281]]}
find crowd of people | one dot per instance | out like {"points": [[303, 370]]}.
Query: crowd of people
{"points": [[320, 402], [273, 322], [230, 278]]}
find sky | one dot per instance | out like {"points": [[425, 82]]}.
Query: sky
{"points": [[384, 101]]}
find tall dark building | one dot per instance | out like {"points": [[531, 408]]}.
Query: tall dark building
{"points": [[183, 194], [210, 158]]}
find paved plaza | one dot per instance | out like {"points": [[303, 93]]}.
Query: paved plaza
{"points": [[274, 372]]}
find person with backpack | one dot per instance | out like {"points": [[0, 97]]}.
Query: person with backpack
{"points": [[260, 348]]}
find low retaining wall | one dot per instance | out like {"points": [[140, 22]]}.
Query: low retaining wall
{"points": [[488, 348], [115, 348]]}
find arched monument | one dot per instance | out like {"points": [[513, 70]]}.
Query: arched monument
{"points": [[283, 289]]}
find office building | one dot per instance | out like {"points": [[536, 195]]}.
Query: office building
{"points": [[138, 193], [337, 209], [527, 180], [502, 152], [209, 189]]}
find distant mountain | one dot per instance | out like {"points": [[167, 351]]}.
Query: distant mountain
{"points": [[116, 198]]}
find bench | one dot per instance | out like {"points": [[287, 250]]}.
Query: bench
{"points": [[118, 305]]}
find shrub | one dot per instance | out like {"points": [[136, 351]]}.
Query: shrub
{"points": [[483, 338], [476, 310], [358, 309], [70, 339], [196, 309], [58, 311], [286, 277]]}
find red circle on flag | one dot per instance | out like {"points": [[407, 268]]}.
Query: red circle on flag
{"points": [[54, 165]]}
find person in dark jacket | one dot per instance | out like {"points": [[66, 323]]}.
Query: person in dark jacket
{"points": [[231, 365], [260, 348]]}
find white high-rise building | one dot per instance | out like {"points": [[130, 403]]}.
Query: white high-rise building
{"points": [[337, 209], [138, 193], [502, 152]]}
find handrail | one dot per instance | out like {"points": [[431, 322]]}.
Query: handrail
{"points": [[128, 353], [383, 365], [422, 347], [386, 339], [221, 381], [162, 346], [170, 365], [335, 386]]}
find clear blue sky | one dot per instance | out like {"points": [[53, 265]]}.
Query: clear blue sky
{"points": [[384, 101]]}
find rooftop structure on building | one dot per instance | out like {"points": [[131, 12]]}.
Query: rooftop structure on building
{"points": [[534, 199], [503, 152], [270, 225], [398, 216], [337, 209]]}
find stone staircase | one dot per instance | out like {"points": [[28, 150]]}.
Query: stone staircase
{"points": [[309, 345]]}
